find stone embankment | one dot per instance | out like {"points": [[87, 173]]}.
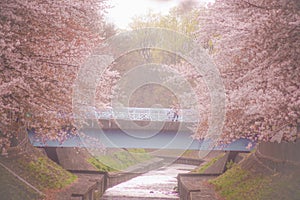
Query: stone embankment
{"points": [[92, 184], [195, 186]]}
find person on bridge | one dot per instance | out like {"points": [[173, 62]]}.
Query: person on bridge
{"points": [[175, 113]]}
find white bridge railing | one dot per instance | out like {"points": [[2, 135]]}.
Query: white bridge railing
{"points": [[142, 114]]}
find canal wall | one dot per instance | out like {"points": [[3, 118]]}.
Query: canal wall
{"points": [[191, 185], [70, 158], [182, 160], [92, 184], [219, 166], [280, 152], [273, 157], [269, 158]]}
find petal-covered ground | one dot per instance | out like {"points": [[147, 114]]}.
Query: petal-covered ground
{"points": [[160, 183]]}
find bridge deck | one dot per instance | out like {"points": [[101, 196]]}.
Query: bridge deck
{"points": [[118, 130], [140, 114], [139, 139]]}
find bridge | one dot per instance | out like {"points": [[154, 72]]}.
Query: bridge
{"points": [[137, 114], [153, 128]]}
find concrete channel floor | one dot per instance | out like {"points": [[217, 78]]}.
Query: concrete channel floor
{"points": [[156, 184]]}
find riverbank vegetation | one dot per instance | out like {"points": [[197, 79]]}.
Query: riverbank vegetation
{"points": [[10, 184], [47, 174], [251, 179], [237, 183], [119, 160], [206, 165], [37, 170]]}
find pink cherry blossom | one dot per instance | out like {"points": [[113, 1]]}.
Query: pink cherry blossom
{"points": [[42, 46], [256, 47]]}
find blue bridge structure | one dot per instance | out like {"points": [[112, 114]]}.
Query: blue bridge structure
{"points": [[153, 128]]}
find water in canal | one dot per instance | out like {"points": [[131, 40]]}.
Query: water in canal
{"points": [[155, 184]]}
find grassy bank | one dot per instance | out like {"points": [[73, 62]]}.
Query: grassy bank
{"points": [[252, 181], [236, 184], [205, 166], [46, 174], [13, 188], [119, 160], [35, 168]]}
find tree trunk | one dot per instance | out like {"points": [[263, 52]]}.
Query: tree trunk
{"points": [[20, 143]]}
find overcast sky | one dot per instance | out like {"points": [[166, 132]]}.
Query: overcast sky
{"points": [[124, 10]]}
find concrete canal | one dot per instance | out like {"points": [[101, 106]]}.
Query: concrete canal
{"points": [[156, 184]]}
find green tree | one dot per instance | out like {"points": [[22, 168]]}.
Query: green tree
{"points": [[185, 23]]}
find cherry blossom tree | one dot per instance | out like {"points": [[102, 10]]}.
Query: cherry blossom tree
{"points": [[256, 47], [106, 88], [42, 45]]}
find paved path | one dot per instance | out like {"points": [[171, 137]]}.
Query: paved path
{"points": [[156, 184]]}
